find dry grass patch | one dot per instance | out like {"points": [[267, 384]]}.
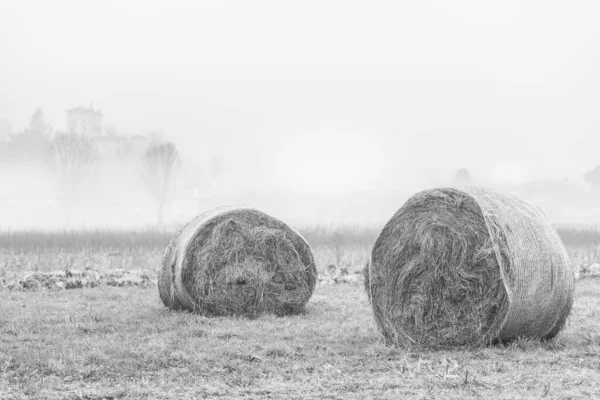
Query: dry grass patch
{"points": [[122, 343]]}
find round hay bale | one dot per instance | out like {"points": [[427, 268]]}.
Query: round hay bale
{"points": [[237, 261], [468, 267]]}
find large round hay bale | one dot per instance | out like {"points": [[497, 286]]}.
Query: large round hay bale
{"points": [[237, 261], [468, 267]]}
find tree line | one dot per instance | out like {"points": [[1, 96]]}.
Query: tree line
{"points": [[72, 158]]}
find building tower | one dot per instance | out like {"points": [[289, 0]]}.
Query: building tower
{"points": [[84, 121]]}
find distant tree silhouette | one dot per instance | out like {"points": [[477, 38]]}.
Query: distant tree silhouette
{"points": [[38, 125], [111, 130], [156, 136], [593, 177], [462, 177], [71, 157], [159, 163], [31, 144]]}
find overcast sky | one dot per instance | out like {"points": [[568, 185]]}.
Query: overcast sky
{"points": [[323, 95]]}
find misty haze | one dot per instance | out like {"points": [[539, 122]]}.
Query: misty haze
{"points": [[284, 200], [323, 118]]}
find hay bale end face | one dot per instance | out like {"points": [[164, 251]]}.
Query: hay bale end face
{"points": [[468, 267], [166, 276], [237, 261]]}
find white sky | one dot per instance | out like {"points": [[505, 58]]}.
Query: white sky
{"points": [[323, 95]]}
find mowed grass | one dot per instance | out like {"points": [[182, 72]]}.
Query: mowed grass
{"points": [[122, 343]]}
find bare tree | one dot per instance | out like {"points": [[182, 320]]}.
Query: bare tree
{"points": [[31, 144], [593, 177], [462, 177], [111, 130], [159, 163], [71, 157]]}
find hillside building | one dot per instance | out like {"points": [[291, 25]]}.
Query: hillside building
{"points": [[84, 121], [110, 145]]}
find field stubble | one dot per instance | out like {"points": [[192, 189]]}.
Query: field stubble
{"points": [[122, 343]]}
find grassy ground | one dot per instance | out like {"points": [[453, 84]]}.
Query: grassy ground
{"points": [[122, 343]]}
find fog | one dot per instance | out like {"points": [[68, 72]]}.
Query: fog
{"points": [[329, 112]]}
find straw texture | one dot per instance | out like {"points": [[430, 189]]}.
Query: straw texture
{"points": [[467, 268], [237, 261]]}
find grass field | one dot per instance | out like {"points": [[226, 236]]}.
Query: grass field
{"points": [[122, 343]]}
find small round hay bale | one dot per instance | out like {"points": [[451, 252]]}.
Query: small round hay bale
{"points": [[237, 261], [468, 267]]}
